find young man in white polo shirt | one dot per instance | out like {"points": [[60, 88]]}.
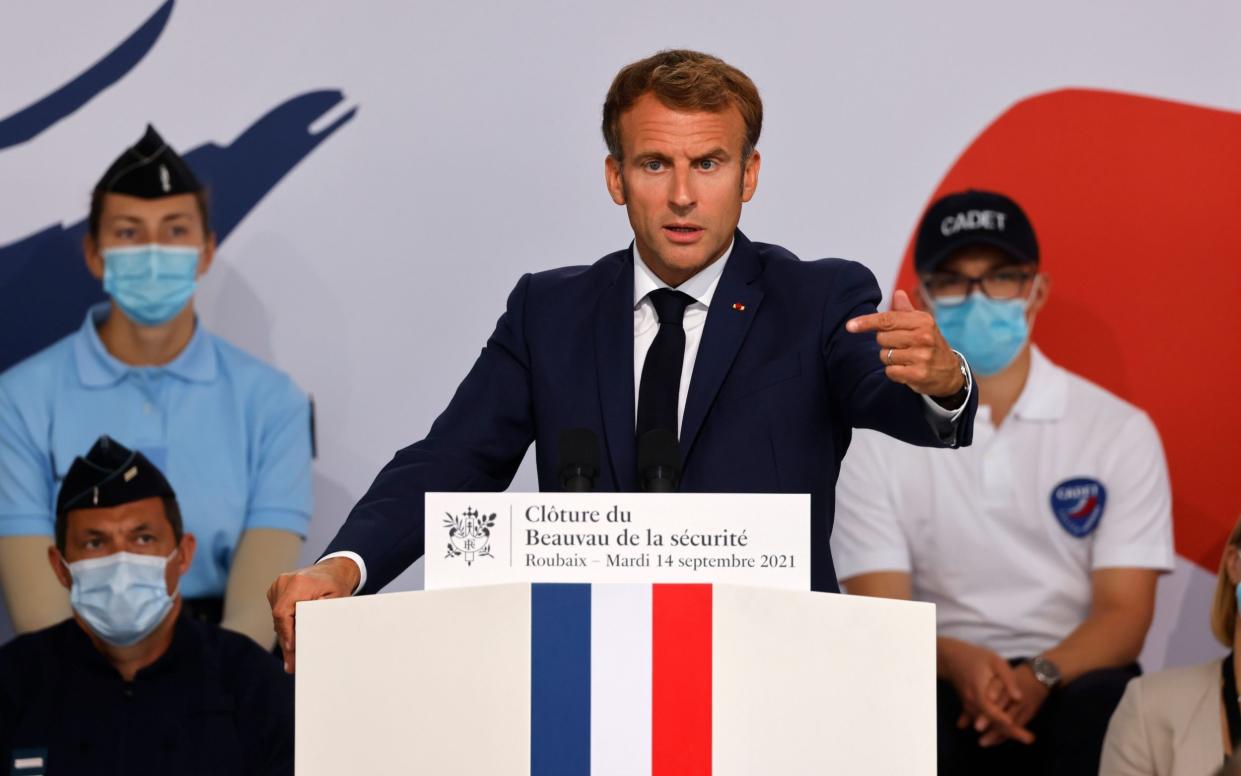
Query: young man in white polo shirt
{"points": [[1041, 544]]}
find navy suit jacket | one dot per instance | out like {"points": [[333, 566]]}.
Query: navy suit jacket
{"points": [[776, 389]]}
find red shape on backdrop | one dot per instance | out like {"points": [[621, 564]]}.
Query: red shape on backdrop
{"points": [[1136, 202]]}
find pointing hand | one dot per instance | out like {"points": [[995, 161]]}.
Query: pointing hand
{"points": [[913, 350]]}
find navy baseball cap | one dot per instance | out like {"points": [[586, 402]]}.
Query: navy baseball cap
{"points": [[973, 217]]}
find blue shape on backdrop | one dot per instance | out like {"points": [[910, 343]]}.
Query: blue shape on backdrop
{"points": [[38, 116], [44, 286]]}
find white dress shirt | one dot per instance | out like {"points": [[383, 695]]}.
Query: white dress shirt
{"points": [[702, 288], [645, 325]]}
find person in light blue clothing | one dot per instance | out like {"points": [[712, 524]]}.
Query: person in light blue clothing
{"points": [[232, 434]]}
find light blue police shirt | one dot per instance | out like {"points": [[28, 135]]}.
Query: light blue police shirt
{"points": [[231, 434]]}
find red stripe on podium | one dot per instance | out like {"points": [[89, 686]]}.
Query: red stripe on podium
{"points": [[681, 681]]}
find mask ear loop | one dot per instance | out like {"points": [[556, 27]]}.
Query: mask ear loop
{"points": [[1029, 300], [61, 557], [73, 579], [176, 591], [68, 566]]}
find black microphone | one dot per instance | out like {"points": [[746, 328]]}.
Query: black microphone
{"points": [[579, 460], [659, 461]]}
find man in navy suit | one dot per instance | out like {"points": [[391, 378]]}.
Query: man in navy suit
{"points": [[758, 363]]}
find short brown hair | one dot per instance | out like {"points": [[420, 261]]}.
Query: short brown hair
{"points": [[96, 211], [683, 80], [1224, 609]]}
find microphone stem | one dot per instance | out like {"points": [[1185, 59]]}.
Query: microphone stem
{"points": [[661, 479]]}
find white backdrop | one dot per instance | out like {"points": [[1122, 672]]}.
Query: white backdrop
{"points": [[376, 269]]}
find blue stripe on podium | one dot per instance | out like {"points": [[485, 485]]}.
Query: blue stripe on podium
{"points": [[560, 680]]}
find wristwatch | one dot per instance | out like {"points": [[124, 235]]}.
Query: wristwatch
{"points": [[1047, 672]]}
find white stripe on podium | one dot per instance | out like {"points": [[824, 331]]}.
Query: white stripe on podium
{"points": [[620, 674]]}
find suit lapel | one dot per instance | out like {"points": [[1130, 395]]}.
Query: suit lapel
{"points": [[614, 365], [722, 336]]}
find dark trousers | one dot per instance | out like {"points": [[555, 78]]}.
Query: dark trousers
{"points": [[1068, 731]]}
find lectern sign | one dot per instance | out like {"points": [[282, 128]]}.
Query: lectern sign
{"points": [[493, 538]]}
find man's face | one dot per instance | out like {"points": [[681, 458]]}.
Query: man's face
{"points": [[139, 527], [682, 181], [1003, 277], [126, 221]]}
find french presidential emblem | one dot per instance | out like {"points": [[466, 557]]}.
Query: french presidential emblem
{"points": [[469, 536], [1078, 505]]}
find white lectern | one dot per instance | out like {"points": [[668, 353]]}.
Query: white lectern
{"points": [[568, 679]]}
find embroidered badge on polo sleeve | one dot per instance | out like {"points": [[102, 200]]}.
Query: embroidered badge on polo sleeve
{"points": [[1078, 505]]}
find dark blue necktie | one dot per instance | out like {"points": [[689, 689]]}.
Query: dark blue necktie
{"points": [[661, 372]]}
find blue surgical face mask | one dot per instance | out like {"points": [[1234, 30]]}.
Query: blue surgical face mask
{"points": [[1239, 596], [150, 283], [988, 332], [122, 597]]}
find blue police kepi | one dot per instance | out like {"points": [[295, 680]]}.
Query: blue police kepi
{"points": [[231, 433]]}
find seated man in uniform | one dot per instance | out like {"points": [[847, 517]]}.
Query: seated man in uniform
{"points": [[229, 431], [130, 684], [1041, 544]]}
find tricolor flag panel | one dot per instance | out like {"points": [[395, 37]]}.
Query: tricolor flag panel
{"points": [[615, 680], [620, 679]]}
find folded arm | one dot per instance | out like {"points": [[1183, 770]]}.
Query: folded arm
{"points": [[1112, 635], [34, 597], [983, 680], [261, 555]]}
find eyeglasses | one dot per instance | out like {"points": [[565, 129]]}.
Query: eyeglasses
{"points": [[952, 288]]}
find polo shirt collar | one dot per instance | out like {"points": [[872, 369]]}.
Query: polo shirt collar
{"points": [[98, 368], [1046, 392]]}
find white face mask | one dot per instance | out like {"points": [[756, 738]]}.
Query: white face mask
{"points": [[123, 597]]}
